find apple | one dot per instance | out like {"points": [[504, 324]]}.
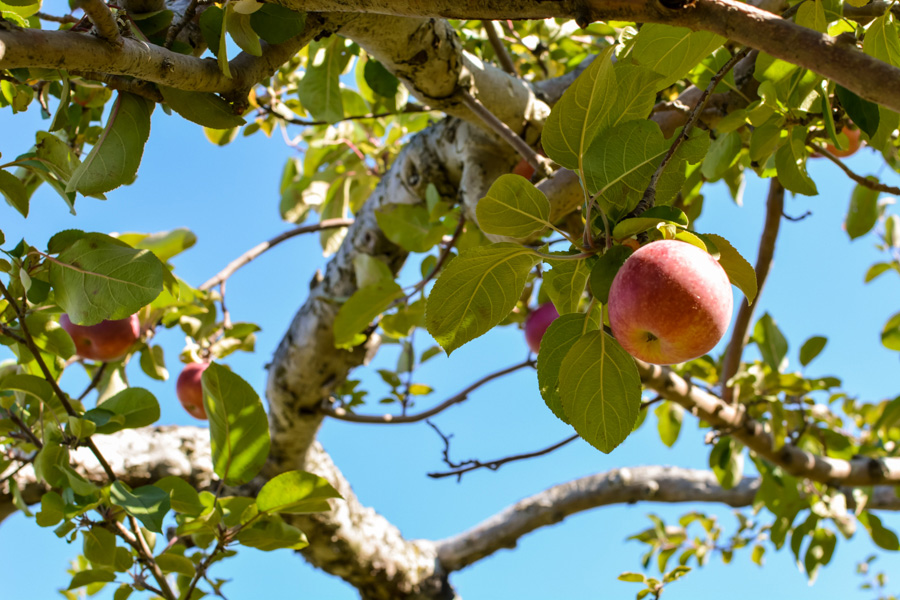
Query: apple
{"points": [[105, 341], [853, 143], [189, 389], [537, 323], [524, 168], [670, 302]]}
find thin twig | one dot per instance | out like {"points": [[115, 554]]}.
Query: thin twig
{"points": [[136, 541], [103, 20], [94, 381], [255, 251], [65, 19], [26, 430], [649, 197], [863, 181], [226, 316], [493, 465], [176, 28], [408, 109], [342, 414], [741, 332], [540, 164], [503, 56], [124, 84]]}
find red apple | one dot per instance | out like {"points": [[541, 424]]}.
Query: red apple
{"points": [[537, 323], [670, 302], [105, 341], [853, 143], [190, 390], [524, 169]]}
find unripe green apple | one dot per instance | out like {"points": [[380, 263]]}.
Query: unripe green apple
{"points": [[669, 303], [537, 323], [105, 341], [190, 389]]}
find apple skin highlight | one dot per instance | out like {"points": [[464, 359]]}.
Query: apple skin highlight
{"points": [[669, 303], [106, 341]]}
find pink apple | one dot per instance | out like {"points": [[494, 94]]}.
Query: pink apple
{"points": [[670, 302], [189, 389], [537, 323], [105, 341]]}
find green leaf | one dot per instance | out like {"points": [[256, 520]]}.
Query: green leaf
{"points": [[632, 577], [636, 88], [890, 335], [727, 462], [99, 277], [14, 191], [296, 492], [148, 504], [99, 546], [271, 533], [649, 220], [812, 16], [175, 563], [605, 269], [669, 416], [740, 272], [238, 427], [863, 113], [153, 363], [35, 389], [600, 390], [628, 154], [770, 341], [183, 497], [57, 155], [115, 158], [723, 152], [513, 207], [882, 536], [136, 406], [579, 114], [53, 510], [238, 26], [863, 211], [277, 24], [123, 591], [672, 51], [83, 578], [476, 291], [811, 349], [758, 553], [211, 21], [565, 282], [790, 162], [202, 108], [877, 270], [320, 89], [819, 551], [382, 81], [410, 227], [361, 309]]}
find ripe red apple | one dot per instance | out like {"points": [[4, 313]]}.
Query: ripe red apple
{"points": [[190, 390], [105, 341], [537, 323], [670, 302], [524, 168]]}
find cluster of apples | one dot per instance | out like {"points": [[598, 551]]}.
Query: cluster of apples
{"points": [[111, 340], [669, 303]]}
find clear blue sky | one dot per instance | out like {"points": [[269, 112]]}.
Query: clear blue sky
{"points": [[229, 197]]}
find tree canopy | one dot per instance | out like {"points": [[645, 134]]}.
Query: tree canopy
{"points": [[466, 168]]}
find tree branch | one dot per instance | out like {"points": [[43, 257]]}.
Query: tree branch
{"points": [[343, 415], [863, 181], [259, 249], [503, 57], [734, 419], [740, 333], [103, 20]]}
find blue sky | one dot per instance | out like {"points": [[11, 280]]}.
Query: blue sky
{"points": [[229, 198]]}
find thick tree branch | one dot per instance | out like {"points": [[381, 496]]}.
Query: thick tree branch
{"points": [[734, 20], [103, 20], [85, 53], [755, 435], [741, 331]]}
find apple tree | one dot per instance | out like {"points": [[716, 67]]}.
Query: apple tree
{"points": [[509, 155]]}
